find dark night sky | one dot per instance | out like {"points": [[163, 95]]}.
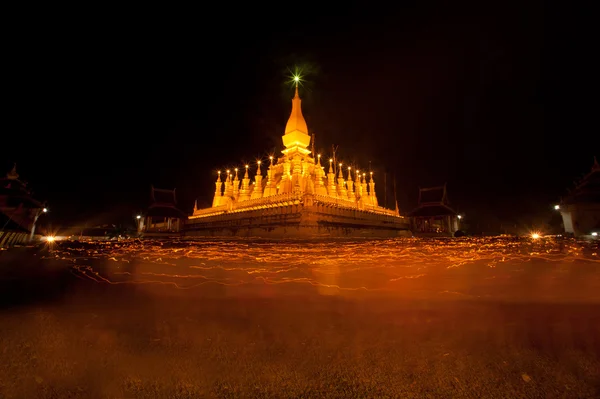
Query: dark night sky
{"points": [[430, 92]]}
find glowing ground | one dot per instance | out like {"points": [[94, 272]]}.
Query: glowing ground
{"points": [[472, 318]]}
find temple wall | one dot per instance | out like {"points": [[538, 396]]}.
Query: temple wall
{"points": [[317, 220]]}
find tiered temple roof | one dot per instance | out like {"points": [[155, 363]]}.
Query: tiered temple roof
{"points": [[164, 204], [15, 192], [295, 176], [433, 201]]}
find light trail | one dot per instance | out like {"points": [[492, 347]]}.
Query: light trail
{"points": [[452, 265]]}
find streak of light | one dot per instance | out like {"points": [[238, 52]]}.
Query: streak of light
{"points": [[331, 266]]}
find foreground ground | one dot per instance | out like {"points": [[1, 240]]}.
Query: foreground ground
{"points": [[65, 335]]}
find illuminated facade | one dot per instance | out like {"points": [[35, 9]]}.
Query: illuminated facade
{"points": [[300, 195]]}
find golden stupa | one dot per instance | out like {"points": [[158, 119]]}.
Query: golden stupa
{"points": [[297, 198]]}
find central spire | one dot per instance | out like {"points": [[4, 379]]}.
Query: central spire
{"points": [[296, 121], [296, 136]]}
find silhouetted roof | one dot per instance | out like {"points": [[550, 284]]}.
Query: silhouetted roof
{"points": [[433, 195], [164, 204], [16, 191], [432, 210], [587, 191], [163, 197], [10, 225], [166, 211]]}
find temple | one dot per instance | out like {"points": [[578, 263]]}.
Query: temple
{"points": [[163, 216], [434, 216], [299, 195]]}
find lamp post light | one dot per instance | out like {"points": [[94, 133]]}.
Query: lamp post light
{"points": [[38, 213], [139, 223]]}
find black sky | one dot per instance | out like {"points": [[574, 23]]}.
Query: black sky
{"points": [[429, 92]]}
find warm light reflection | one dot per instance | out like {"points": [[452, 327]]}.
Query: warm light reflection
{"points": [[535, 236], [469, 267]]}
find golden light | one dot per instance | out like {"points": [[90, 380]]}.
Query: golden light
{"points": [[349, 167], [246, 166], [296, 78], [49, 238], [535, 236], [228, 171], [258, 162], [340, 164], [235, 169], [330, 160], [271, 157]]}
